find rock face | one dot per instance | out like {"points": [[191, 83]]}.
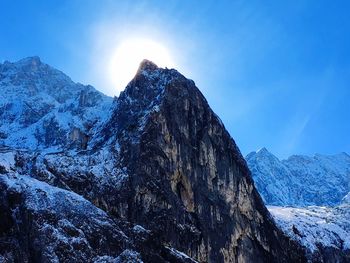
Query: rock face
{"points": [[188, 180], [161, 171], [41, 223]]}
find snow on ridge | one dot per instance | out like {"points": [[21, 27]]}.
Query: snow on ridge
{"points": [[308, 196], [315, 225], [300, 180], [36, 97], [57, 197], [179, 255], [7, 160]]}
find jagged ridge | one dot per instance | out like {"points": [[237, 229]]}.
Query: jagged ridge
{"points": [[41, 107], [300, 180]]}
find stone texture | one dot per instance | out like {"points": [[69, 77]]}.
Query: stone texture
{"points": [[188, 180]]}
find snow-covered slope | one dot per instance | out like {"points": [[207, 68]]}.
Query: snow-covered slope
{"points": [[64, 227], [41, 107], [300, 180], [309, 199], [324, 231]]}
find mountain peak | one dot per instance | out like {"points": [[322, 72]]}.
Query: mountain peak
{"points": [[32, 62], [28, 64], [29, 60], [147, 65], [166, 160], [263, 150]]}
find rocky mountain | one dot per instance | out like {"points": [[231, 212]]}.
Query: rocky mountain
{"points": [[41, 108], [308, 197], [157, 177], [300, 180]]}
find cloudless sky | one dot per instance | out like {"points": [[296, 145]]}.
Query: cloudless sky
{"points": [[276, 72]]}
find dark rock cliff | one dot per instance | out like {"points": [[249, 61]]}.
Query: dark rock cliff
{"points": [[187, 179]]}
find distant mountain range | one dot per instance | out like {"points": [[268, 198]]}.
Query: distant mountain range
{"points": [[300, 180]]}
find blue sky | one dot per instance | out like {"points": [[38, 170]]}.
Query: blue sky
{"points": [[276, 72]]}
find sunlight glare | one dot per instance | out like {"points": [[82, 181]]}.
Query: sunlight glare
{"points": [[128, 55]]}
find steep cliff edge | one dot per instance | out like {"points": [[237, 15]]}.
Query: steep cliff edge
{"points": [[187, 178]]}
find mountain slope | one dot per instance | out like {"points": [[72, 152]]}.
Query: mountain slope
{"points": [[61, 221], [300, 180], [164, 169], [40, 107], [324, 231]]}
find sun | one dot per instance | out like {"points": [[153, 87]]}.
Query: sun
{"points": [[128, 55]]}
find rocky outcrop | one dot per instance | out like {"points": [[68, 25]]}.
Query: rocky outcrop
{"points": [[187, 179], [40, 223]]}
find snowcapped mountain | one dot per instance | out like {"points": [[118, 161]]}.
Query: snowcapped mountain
{"points": [[153, 176], [309, 199], [40, 107], [300, 180]]}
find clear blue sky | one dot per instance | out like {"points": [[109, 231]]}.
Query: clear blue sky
{"points": [[276, 72]]}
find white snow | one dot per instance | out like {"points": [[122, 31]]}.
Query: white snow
{"points": [[315, 225], [300, 180], [42, 196], [35, 95], [7, 160], [140, 229], [127, 255], [179, 254]]}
